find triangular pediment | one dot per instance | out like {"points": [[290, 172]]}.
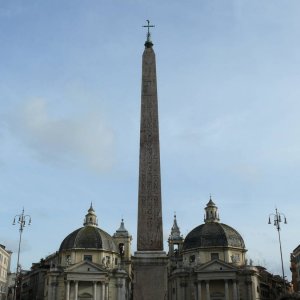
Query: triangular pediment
{"points": [[85, 267], [214, 266]]}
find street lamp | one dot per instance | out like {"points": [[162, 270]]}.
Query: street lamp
{"points": [[22, 219], [277, 220]]}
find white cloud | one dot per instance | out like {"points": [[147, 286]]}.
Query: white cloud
{"points": [[84, 140]]}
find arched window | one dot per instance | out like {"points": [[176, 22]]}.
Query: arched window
{"points": [[121, 249]]}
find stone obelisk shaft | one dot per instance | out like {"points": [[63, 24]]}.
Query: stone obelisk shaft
{"points": [[149, 261], [150, 233]]}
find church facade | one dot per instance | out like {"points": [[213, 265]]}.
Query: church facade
{"points": [[210, 262], [89, 265]]}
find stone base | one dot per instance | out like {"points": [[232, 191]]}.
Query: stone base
{"points": [[150, 275]]}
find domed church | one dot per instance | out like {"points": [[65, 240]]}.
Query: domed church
{"points": [[210, 262], [91, 264]]}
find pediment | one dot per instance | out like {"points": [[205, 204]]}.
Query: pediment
{"points": [[85, 267], [214, 266]]}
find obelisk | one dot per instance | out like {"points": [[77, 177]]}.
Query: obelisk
{"points": [[150, 261]]}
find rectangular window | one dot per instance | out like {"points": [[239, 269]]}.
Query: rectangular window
{"points": [[192, 258], [214, 256], [88, 257]]}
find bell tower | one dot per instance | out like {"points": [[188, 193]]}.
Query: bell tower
{"points": [[175, 240], [123, 241]]}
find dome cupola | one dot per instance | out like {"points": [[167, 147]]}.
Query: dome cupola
{"points": [[211, 210], [90, 217]]}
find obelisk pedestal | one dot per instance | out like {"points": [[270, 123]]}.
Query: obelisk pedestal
{"points": [[150, 275]]}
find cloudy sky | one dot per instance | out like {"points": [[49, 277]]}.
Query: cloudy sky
{"points": [[228, 84]]}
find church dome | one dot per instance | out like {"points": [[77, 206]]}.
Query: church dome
{"points": [[213, 233], [89, 236]]}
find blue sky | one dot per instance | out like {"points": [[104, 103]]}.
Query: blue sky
{"points": [[228, 84]]}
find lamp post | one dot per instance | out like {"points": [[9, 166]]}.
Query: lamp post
{"points": [[277, 220], [22, 220]]}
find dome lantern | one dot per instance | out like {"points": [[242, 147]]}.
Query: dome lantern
{"points": [[211, 210], [91, 218]]}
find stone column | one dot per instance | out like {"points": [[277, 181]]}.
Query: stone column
{"points": [[234, 290], [95, 290], [49, 289], [53, 287], [119, 288], [68, 290], [182, 288], [208, 291], [194, 293], [199, 290], [76, 291], [102, 291], [106, 291], [226, 290]]}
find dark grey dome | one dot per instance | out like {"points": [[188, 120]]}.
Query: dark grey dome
{"points": [[89, 237], [213, 234]]}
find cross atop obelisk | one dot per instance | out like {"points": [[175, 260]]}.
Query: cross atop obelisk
{"points": [[148, 42]]}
